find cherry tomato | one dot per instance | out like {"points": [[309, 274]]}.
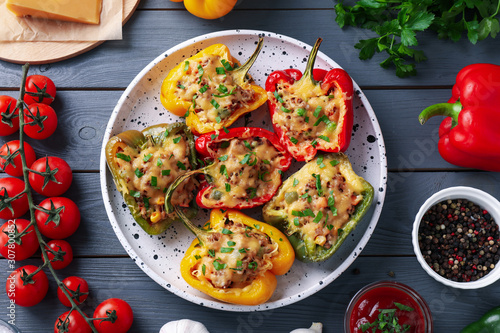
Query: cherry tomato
{"points": [[9, 188], [42, 85], [60, 245], [65, 210], [9, 116], [54, 182], [40, 120], [30, 293], [14, 166], [110, 307], [17, 249], [74, 284], [75, 323]]}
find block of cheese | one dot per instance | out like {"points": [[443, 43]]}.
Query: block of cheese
{"points": [[83, 11]]}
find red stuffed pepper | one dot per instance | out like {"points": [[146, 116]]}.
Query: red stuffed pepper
{"points": [[470, 135], [246, 165], [313, 111]]}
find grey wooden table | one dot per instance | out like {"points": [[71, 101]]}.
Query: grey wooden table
{"points": [[90, 85]]}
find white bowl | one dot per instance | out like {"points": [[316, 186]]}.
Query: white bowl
{"points": [[481, 198]]}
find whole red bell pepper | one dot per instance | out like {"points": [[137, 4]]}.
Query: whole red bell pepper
{"points": [[245, 168], [313, 111], [470, 135]]}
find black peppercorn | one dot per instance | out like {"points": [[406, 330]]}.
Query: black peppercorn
{"points": [[459, 240]]}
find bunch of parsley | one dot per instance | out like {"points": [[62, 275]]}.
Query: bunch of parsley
{"points": [[397, 22]]}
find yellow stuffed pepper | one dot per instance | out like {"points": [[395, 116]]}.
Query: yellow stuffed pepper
{"points": [[235, 258], [211, 90]]}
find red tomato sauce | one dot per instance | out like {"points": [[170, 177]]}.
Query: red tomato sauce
{"points": [[366, 309]]}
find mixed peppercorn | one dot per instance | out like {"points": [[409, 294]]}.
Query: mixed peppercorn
{"points": [[459, 240]]}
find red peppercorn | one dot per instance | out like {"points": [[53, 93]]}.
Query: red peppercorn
{"points": [[485, 212]]}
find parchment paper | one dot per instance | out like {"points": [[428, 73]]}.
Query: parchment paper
{"points": [[24, 29]]}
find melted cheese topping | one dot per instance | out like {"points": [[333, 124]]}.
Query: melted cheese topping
{"points": [[320, 212], [150, 172], [214, 96], [309, 115], [247, 169], [233, 260]]}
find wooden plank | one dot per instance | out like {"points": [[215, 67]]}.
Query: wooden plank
{"points": [[255, 4], [103, 67], [153, 306], [406, 192], [410, 146]]}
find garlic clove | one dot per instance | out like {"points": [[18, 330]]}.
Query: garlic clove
{"points": [[184, 326], [315, 328]]}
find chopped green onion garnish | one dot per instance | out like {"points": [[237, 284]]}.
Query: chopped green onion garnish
{"points": [[135, 194], [147, 157], [226, 231], [124, 157], [214, 103], [204, 88], [317, 111], [177, 139], [181, 165], [323, 137], [284, 109], [165, 172], [138, 173], [301, 112], [318, 217]]}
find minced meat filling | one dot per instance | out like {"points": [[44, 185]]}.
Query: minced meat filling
{"points": [[319, 203], [309, 115], [235, 256], [211, 89], [148, 172], [247, 169]]}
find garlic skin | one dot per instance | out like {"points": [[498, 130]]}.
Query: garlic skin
{"points": [[315, 328], [184, 326]]}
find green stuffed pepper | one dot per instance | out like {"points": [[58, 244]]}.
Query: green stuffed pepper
{"points": [[144, 164], [319, 206]]}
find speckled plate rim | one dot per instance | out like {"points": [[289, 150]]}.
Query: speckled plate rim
{"points": [[349, 259]]}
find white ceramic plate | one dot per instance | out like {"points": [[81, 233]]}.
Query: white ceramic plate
{"points": [[139, 107]]}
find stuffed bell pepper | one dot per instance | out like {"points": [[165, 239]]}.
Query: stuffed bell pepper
{"points": [[211, 90], [313, 111], [235, 258], [319, 206], [144, 164], [245, 170]]}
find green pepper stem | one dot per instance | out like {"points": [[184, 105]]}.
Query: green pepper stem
{"points": [[243, 70], [442, 109], [169, 208], [308, 72]]}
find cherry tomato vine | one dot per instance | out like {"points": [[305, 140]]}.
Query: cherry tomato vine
{"points": [[29, 275]]}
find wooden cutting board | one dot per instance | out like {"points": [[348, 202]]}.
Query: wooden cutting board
{"points": [[46, 52]]}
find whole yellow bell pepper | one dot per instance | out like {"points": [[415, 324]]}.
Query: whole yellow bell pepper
{"points": [[205, 89], [208, 9], [256, 289]]}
